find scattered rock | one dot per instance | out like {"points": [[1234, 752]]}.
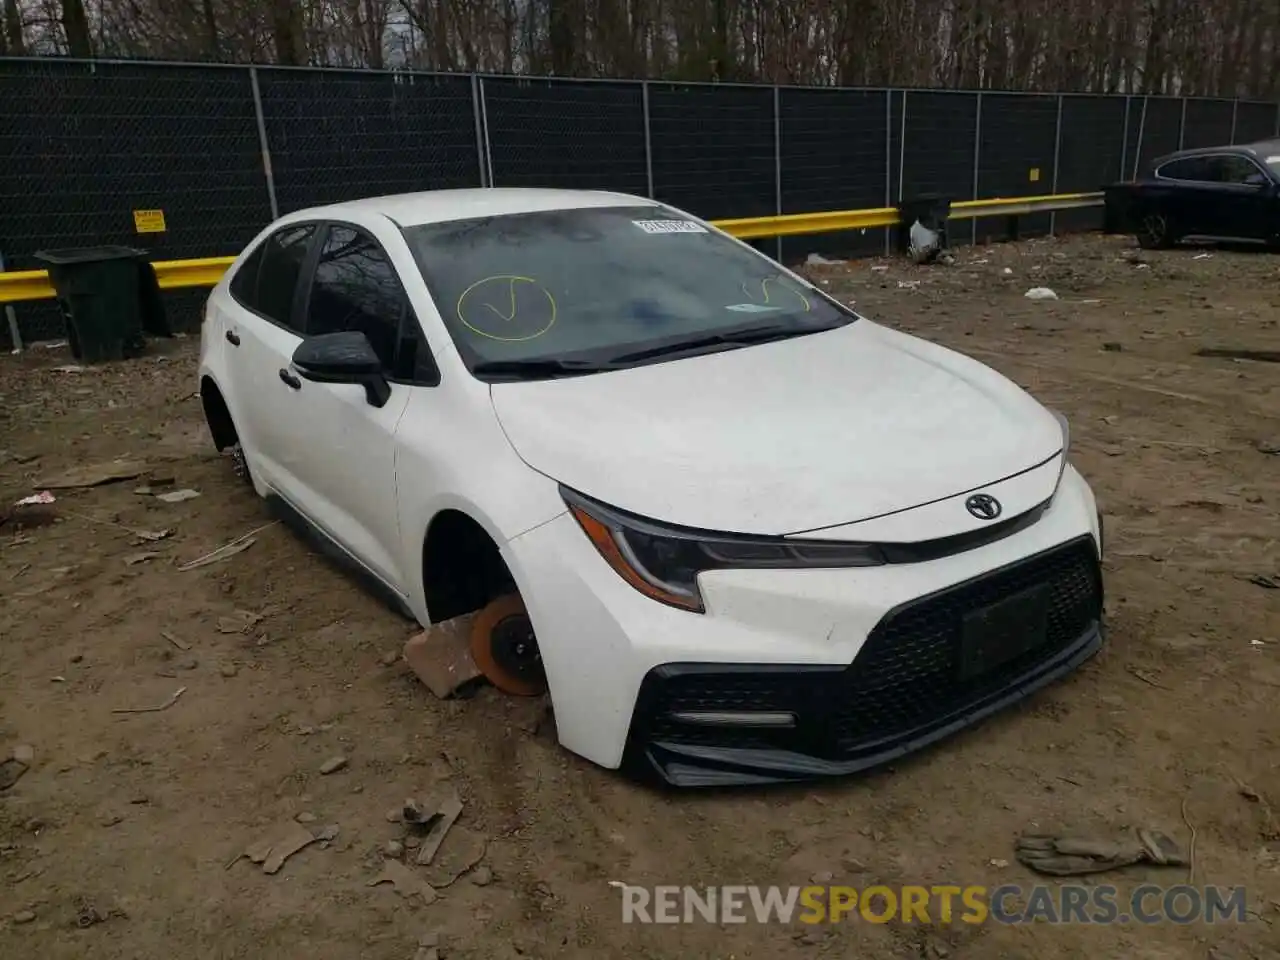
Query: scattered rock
{"points": [[306, 816], [406, 882], [93, 475], [275, 848], [11, 772], [445, 815], [482, 876], [428, 947], [333, 765], [111, 819], [229, 670], [24, 916], [177, 496], [1040, 293], [34, 825], [393, 849], [394, 816], [187, 663], [823, 877], [78, 658], [1112, 347], [389, 658], [1269, 447], [412, 843], [327, 834], [24, 753]]}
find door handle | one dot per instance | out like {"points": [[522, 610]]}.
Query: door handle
{"points": [[233, 338], [290, 380]]}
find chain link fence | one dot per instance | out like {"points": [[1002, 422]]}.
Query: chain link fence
{"points": [[222, 150]]}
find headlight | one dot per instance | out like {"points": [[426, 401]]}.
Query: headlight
{"points": [[664, 562]]}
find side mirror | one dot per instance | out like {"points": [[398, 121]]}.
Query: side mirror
{"points": [[344, 357]]}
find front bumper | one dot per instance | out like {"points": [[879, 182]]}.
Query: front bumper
{"points": [[860, 656], [902, 691]]}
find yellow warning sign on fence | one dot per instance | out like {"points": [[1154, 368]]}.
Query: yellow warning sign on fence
{"points": [[149, 221], [1035, 175]]}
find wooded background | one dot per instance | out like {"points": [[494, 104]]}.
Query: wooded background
{"points": [[1224, 48]]}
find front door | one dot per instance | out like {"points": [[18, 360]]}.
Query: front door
{"points": [[348, 464]]}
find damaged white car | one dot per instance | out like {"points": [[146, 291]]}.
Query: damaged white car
{"points": [[740, 533]]}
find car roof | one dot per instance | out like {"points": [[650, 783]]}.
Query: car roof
{"points": [[1260, 149], [440, 206]]}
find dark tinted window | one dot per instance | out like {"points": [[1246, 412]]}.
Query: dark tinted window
{"points": [[244, 285], [356, 288], [1189, 168], [603, 281], [282, 258], [1236, 169]]}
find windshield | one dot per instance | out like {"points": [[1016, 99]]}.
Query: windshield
{"points": [[1274, 163], [549, 293]]}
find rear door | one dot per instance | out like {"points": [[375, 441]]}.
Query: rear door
{"points": [[1187, 195], [263, 333]]}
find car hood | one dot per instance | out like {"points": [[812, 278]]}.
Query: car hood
{"points": [[781, 438]]}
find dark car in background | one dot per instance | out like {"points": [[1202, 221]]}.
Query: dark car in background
{"points": [[1220, 193]]}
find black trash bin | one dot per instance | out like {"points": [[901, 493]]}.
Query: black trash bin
{"points": [[931, 209], [105, 295]]}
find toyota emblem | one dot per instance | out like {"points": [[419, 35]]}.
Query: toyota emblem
{"points": [[983, 506]]}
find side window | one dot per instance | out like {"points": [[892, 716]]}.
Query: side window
{"points": [[1237, 169], [282, 257], [1188, 168], [356, 287], [244, 285]]}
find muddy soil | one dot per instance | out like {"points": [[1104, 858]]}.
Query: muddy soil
{"points": [[129, 822]]}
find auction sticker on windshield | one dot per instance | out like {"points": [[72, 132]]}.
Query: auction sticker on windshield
{"points": [[669, 226]]}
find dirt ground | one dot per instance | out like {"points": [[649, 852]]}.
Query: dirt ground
{"points": [[133, 818]]}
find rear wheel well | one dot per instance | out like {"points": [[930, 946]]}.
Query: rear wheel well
{"points": [[462, 568], [217, 415]]}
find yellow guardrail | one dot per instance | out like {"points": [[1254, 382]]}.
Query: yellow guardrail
{"points": [[21, 285]]}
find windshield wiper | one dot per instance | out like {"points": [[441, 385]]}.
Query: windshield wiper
{"points": [[728, 338], [540, 368]]}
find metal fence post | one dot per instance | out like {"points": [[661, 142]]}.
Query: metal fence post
{"points": [[1182, 125], [977, 156], [1057, 153], [648, 138], [475, 111], [902, 147], [1142, 129], [1235, 111], [1124, 138], [777, 160], [888, 166], [484, 123], [15, 333], [263, 143]]}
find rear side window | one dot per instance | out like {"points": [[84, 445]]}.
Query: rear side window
{"points": [[244, 285], [1188, 168], [266, 282]]}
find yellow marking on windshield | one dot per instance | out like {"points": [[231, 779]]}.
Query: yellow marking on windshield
{"points": [[764, 291], [463, 308]]}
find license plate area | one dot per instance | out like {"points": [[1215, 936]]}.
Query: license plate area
{"points": [[997, 634]]}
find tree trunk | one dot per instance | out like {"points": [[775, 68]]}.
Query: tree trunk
{"points": [[286, 29], [75, 24], [212, 44], [561, 38], [13, 27]]}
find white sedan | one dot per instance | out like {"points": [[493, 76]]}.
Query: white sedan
{"points": [[738, 532]]}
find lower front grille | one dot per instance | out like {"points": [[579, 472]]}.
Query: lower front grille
{"points": [[904, 682]]}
